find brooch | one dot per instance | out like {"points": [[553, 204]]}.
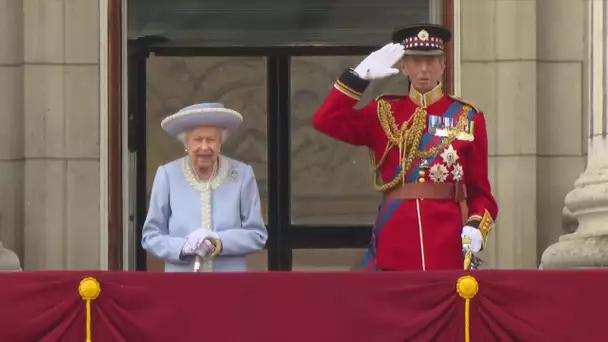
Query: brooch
{"points": [[233, 175]]}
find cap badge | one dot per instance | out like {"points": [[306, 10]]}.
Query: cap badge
{"points": [[423, 35]]}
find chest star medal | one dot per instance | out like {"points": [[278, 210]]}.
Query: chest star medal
{"points": [[234, 175]]}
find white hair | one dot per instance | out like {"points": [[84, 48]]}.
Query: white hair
{"points": [[183, 136]]}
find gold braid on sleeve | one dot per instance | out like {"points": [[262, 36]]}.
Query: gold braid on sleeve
{"points": [[407, 139]]}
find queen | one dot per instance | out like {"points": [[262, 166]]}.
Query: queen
{"points": [[204, 206]]}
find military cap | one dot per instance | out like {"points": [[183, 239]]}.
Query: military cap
{"points": [[422, 39]]}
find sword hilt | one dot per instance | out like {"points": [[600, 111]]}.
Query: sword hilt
{"points": [[468, 255], [471, 262]]}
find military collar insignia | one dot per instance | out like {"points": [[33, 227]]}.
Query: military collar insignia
{"points": [[426, 99]]}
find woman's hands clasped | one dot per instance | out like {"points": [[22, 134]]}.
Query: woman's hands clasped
{"points": [[198, 243]]}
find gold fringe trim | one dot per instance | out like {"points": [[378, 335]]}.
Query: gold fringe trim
{"points": [[347, 91]]}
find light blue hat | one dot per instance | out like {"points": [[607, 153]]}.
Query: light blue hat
{"points": [[202, 114]]}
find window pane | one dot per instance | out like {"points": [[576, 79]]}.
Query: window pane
{"points": [[342, 259], [238, 83], [273, 22], [331, 181]]}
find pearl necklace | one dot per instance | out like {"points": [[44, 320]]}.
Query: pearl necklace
{"points": [[213, 172]]}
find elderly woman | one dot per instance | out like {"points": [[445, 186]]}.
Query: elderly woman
{"points": [[204, 206]]}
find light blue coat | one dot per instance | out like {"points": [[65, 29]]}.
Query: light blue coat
{"points": [[229, 205]]}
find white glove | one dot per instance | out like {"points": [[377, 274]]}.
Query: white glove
{"points": [[205, 249], [194, 240], [475, 237], [214, 235], [379, 64]]}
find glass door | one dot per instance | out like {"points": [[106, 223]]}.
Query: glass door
{"points": [[237, 82]]}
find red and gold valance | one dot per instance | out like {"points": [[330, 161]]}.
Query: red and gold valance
{"points": [[485, 306]]}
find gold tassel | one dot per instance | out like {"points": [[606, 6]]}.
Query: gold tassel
{"points": [[467, 287], [89, 289]]}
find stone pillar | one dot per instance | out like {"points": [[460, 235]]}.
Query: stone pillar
{"points": [[61, 99], [11, 125], [588, 202], [498, 58], [8, 260]]}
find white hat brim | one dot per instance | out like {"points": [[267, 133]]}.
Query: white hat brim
{"points": [[226, 119]]}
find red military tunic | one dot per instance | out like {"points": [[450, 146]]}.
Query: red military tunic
{"points": [[411, 234]]}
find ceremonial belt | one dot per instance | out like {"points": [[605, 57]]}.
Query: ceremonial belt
{"points": [[437, 191], [456, 192]]}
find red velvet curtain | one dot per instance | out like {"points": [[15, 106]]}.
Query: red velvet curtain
{"points": [[527, 306]]}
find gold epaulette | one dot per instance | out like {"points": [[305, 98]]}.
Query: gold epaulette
{"points": [[390, 97], [465, 102]]}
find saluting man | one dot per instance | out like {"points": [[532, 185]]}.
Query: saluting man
{"points": [[429, 155]]}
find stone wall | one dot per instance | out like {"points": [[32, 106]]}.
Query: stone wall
{"points": [[498, 51], [516, 67], [49, 88], [587, 202], [11, 125], [562, 110]]}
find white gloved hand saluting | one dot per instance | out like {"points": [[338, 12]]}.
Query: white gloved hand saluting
{"points": [[380, 64], [475, 237]]}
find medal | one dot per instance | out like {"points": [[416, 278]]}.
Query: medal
{"points": [[437, 126]]}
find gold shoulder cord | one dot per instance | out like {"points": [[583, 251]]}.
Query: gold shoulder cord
{"points": [[407, 141]]}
